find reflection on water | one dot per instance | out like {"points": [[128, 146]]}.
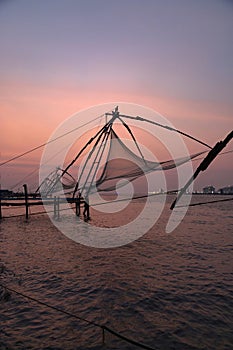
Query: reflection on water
{"points": [[168, 291]]}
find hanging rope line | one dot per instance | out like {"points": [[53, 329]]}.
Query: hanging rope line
{"points": [[92, 323], [166, 127], [37, 169], [131, 341], [220, 154], [208, 202], [24, 178], [133, 137], [49, 306], [46, 143]]}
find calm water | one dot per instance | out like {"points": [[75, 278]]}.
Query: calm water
{"points": [[169, 291]]}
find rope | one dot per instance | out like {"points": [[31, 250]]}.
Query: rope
{"points": [[67, 313], [131, 341], [134, 139], [166, 127], [50, 306], [46, 143], [202, 203], [36, 169]]}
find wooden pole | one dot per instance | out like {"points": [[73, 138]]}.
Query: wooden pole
{"points": [[0, 209], [26, 199], [58, 207], [77, 206], [55, 207]]}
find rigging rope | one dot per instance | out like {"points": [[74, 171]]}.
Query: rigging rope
{"points": [[133, 137], [166, 127], [208, 202], [35, 170], [46, 143], [67, 313], [50, 306]]}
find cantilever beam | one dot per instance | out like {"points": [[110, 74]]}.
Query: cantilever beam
{"points": [[204, 164], [165, 127]]}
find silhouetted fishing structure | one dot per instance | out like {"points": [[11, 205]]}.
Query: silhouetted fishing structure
{"points": [[102, 170], [205, 164], [127, 165]]}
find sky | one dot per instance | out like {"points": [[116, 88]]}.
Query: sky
{"points": [[60, 56]]}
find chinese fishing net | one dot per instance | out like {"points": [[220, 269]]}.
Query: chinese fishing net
{"points": [[123, 164]]}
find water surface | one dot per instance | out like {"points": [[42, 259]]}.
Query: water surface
{"points": [[169, 291]]}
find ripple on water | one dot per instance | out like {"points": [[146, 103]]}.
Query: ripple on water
{"points": [[168, 291]]}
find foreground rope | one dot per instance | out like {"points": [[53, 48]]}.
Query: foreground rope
{"points": [[209, 202], [67, 313]]}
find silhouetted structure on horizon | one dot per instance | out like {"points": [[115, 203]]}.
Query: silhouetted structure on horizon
{"points": [[226, 190], [209, 190], [6, 193]]}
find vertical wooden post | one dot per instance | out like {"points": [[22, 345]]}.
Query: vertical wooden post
{"points": [[26, 199], [0, 209], [55, 207], [58, 207], [77, 206]]}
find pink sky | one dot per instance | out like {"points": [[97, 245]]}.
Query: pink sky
{"points": [[33, 113], [176, 60]]}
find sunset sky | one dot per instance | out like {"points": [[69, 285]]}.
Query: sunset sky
{"points": [[60, 56]]}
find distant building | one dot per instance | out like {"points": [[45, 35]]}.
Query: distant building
{"points": [[5, 193], [209, 190], [226, 190]]}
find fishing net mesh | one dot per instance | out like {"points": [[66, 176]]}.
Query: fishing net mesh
{"points": [[123, 164]]}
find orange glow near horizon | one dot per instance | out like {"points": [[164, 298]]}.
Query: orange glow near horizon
{"points": [[30, 115]]}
